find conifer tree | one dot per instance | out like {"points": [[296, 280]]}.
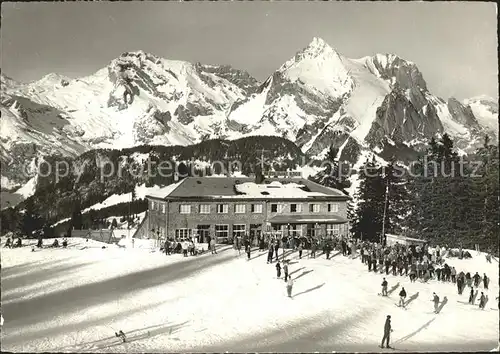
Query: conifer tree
{"points": [[30, 220], [367, 222]]}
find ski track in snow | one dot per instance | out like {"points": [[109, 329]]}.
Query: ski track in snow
{"points": [[74, 300]]}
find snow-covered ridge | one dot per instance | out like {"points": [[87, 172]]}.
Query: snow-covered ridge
{"points": [[140, 98]]}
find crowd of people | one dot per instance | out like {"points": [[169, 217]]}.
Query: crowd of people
{"points": [[418, 262]]}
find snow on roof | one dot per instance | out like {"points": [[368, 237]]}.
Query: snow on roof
{"points": [[161, 192], [244, 187], [275, 189]]}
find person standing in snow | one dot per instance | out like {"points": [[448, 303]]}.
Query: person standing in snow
{"points": [[387, 332], [285, 270], [482, 301], [476, 278], [249, 251], [402, 297], [276, 248], [278, 269], [384, 288], [436, 302], [459, 285], [270, 253], [413, 272], [328, 249], [314, 246], [212, 246], [289, 286], [453, 275], [486, 281], [472, 297], [300, 250]]}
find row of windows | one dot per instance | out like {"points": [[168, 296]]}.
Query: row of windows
{"points": [[239, 230], [241, 208]]}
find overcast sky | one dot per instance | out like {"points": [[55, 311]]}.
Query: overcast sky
{"points": [[453, 44]]}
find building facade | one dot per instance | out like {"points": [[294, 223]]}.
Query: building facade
{"points": [[227, 207]]}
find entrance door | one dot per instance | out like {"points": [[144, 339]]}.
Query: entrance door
{"points": [[254, 232], [203, 233], [311, 231]]}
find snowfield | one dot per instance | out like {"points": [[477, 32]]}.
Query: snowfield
{"points": [[74, 300]]}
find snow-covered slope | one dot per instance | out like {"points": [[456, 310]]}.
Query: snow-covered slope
{"points": [[74, 300], [485, 110]]}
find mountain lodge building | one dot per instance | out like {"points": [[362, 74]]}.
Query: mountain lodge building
{"points": [[227, 207]]}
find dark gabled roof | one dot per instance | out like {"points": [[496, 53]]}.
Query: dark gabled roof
{"points": [[210, 187]]}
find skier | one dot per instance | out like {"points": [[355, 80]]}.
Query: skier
{"points": [[249, 250], [121, 335], [482, 301], [453, 274], [387, 332], [402, 297], [471, 296], [289, 286], [65, 243], [384, 288], [285, 270], [278, 270], [436, 302], [300, 250]]}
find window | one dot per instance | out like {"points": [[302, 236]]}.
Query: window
{"points": [[222, 208], [204, 208], [295, 208], [256, 208], [185, 209], [314, 208], [181, 234], [333, 208], [163, 208], [222, 231], [239, 230], [276, 208], [333, 229], [295, 230], [240, 208]]}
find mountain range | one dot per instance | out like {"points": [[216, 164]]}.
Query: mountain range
{"points": [[318, 98]]}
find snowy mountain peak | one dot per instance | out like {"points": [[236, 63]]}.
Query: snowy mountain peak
{"points": [[51, 79], [320, 68], [317, 47]]}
